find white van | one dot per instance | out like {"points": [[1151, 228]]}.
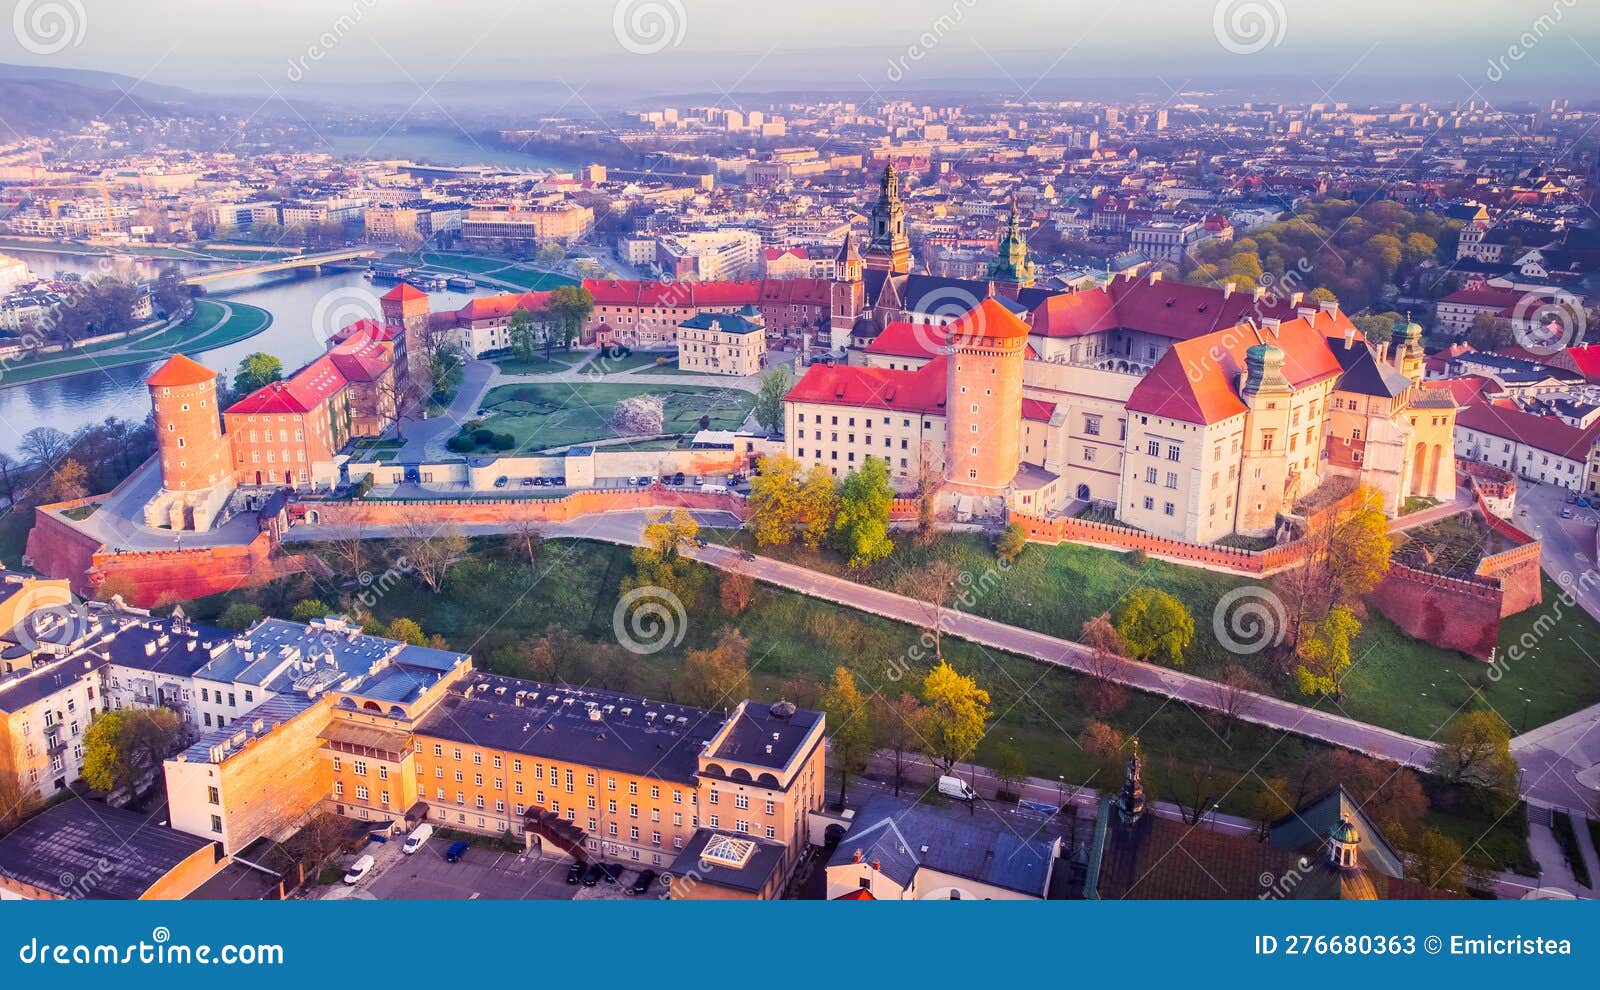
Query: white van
{"points": [[418, 838], [955, 787], [359, 869]]}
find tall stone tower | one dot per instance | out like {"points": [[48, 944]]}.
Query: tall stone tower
{"points": [[1264, 466], [847, 296], [196, 460], [405, 307], [983, 404], [889, 247], [1012, 270]]}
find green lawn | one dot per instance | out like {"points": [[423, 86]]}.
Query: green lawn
{"points": [[494, 603], [602, 365], [200, 332], [1396, 681], [535, 365], [541, 416]]}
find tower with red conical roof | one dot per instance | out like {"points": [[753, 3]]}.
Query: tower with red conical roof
{"points": [[984, 401], [405, 307], [196, 458]]}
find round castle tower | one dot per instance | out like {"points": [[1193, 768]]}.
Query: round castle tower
{"points": [[983, 404], [196, 459]]}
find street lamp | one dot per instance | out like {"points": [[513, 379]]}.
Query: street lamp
{"points": [[1061, 792]]}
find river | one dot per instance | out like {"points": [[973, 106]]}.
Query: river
{"points": [[304, 308]]}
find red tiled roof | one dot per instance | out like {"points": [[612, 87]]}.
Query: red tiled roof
{"points": [[988, 320], [1586, 358], [1038, 410], [1540, 432], [1168, 309], [502, 305], [404, 291], [1195, 380], [362, 356], [901, 339], [302, 392], [921, 390], [1468, 389], [1485, 295], [181, 370]]}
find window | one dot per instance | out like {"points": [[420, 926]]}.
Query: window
{"points": [[213, 795], [216, 824]]}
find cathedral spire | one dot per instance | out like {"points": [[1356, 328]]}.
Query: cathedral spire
{"points": [[1012, 268], [1130, 800], [889, 246]]}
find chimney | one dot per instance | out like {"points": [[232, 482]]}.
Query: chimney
{"points": [[1227, 290], [1349, 337], [877, 865], [1306, 313], [1269, 323], [856, 858], [1331, 307], [1258, 293], [1155, 276], [1294, 300]]}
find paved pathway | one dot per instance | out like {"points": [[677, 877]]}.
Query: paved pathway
{"points": [[422, 434], [626, 528]]}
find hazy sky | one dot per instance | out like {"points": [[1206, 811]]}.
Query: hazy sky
{"points": [[1360, 49]]}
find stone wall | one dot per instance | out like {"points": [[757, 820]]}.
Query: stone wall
{"points": [[158, 576], [1448, 612]]}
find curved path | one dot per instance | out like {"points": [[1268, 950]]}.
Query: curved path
{"points": [[1552, 784]]}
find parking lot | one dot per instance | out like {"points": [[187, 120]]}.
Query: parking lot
{"points": [[482, 874]]}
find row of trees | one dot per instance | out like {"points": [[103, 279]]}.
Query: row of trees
{"points": [[787, 501], [561, 317]]}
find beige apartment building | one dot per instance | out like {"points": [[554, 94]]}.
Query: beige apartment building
{"points": [[723, 344]]}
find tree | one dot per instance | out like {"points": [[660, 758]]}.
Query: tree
{"points": [[775, 384], [736, 591], [551, 253], [1325, 654], [659, 563], [256, 370], [1103, 745], [1010, 768], [718, 677], [819, 505], [310, 608], [1347, 550], [850, 718], [1154, 625], [1235, 695], [933, 586], [639, 415], [1475, 750], [897, 722], [519, 330], [406, 631], [121, 746], [6, 466], [524, 534], [1101, 693], [240, 615], [568, 307], [1013, 540], [1270, 803], [45, 445], [348, 543], [775, 500], [428, 551], [862, 520], [1437, 861], [954, 715], [1194, 785], [16, 801], [1379, 328], [68, 481]]}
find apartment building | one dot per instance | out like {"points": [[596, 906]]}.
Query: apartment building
{"points": [[44, 712], [522, 227], [723, 344]]}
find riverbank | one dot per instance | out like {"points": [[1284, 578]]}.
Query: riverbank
{"points": [[210, 326], [501, 272]]}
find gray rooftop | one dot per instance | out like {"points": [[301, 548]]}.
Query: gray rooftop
{"points": [[83, 849]]}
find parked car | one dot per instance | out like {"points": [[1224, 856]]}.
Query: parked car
{"points": [[746, 555], [957, 788], [360, 868], [642, 885], [527, 482], [677, 479], [576, 871], [560, 482], [700, 542], [418, 838], [501, 481], [538, 482], [1566, 513], [456, 851], [641, 482], [612, 871], [593, 874]]}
